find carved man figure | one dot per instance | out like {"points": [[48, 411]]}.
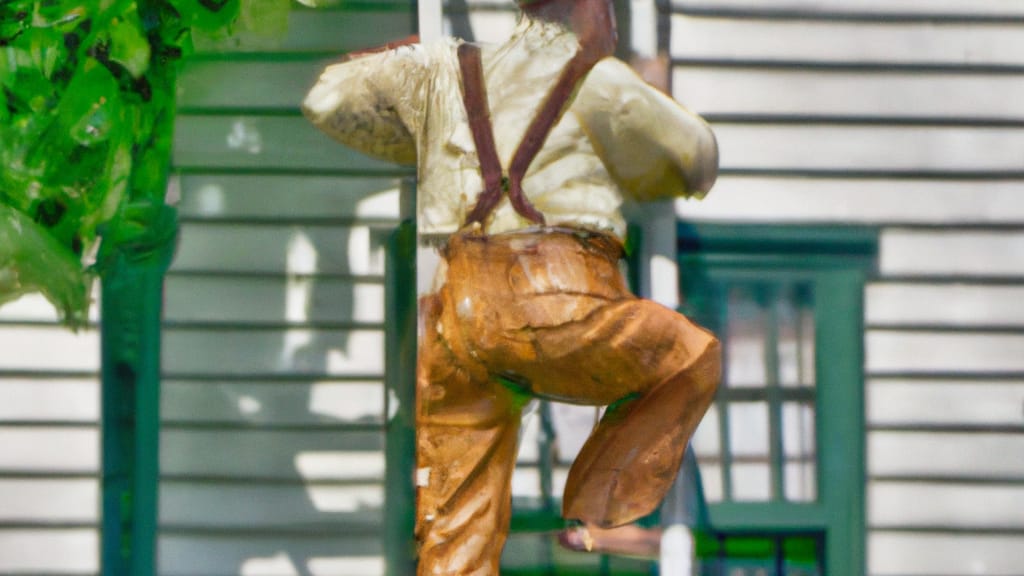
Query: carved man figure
{"points": [[525, 153]]}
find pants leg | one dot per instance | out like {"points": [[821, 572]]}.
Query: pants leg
{"points": [[659, 372], [466, 435], [550, 315]]}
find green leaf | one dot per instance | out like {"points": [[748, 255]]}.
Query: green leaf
{"points": [[128, 46], [265, 17], [91, 108], [207, 15], [86, 118], [45, 54], [260, 24], [64, 12], [32, 261]]}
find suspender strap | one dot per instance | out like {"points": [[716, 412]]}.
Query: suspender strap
{"points": [[474, 98], [550, 113]]}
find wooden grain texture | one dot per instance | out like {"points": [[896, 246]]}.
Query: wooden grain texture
{"points": [[323, 508], [31, 348], [867, 95], [908, 149], [206, 554], [49, 449], [316, 403], [922, 8], [303, 456], [952, 252], [838, 198], [962, 402], [940, 352], [243, 247], [836, 42], [49, 551], [32, 399], [931, 455], [943, 554], [959, 305]]}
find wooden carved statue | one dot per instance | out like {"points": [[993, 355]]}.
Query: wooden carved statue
{"points": [[525, 153]]}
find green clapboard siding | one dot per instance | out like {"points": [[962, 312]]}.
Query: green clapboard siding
{"points": [[258, 143], [274, 406], [348, 26], [281, 198]]}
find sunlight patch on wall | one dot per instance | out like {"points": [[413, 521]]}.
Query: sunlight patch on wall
{"points": [[339, 464]]}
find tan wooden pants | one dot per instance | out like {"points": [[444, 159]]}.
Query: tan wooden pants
{"points": [[546, 314]]}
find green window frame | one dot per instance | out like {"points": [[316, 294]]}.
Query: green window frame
{"points": [[823, 270]]}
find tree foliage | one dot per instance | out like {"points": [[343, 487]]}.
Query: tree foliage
{"points": [[86, 118]]}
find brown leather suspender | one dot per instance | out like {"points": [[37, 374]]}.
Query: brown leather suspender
{"points": [[474, 98]]}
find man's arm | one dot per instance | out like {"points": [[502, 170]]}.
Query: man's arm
{"points": [[363, 102], [652, 146]]}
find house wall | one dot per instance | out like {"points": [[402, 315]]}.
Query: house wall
{"points": [[274, 402], [49, 443], [905, 116]]}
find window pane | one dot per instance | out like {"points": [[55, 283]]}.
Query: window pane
{"points": [[572, 426], [706, 441], [526, 482], [796, 337], [707, 446], [801, 482], [759, 555], [711, 478], [798, 429], [802, 556], [529, 436], [799, 450], [559, 476], [748, 428], [748, 440], [745, 339], [761, 432], [808, 371], [789, 343], [751, 482]]}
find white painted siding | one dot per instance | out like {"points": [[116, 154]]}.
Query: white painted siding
{"points": [[902, 115], [842, 42], [272, 455], [49, 443]]}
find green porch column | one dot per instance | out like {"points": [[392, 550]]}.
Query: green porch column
{"points": [[138, 244], [131, 305], [400, 381]]}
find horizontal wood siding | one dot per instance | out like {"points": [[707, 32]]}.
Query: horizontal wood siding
{"points": [[903, 115], [49, 442], [273, 404]]}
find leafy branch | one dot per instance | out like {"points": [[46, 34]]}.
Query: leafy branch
{"points": [[86, 123]]}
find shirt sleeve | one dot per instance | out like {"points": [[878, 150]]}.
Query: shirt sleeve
{"points": [[370, 103], [652, 146]]}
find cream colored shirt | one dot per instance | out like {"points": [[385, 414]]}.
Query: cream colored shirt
{"points": [[620, 138]]}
